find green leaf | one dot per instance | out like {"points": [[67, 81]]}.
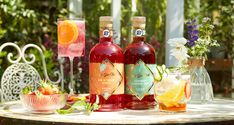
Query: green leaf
{"points": [[65, 111], [38, 93], [27, 90], [80, 105]]}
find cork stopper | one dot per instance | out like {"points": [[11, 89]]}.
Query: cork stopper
{"points": [[105, 26], [138, 21], [105, 21]]}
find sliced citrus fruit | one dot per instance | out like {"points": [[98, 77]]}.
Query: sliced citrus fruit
{"points": [[173, 95], [67, 32], [187, 90]]}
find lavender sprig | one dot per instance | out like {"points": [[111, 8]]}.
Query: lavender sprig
{"points": [[199, 38], [192, 32]]}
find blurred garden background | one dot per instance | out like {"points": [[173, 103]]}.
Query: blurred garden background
{"points": [[34, 21]]}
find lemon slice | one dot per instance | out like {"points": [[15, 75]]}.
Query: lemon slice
{"points": [[173, 95]]}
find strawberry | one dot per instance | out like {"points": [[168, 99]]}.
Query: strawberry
{"points": [[48, 91], [32, 93], [42, 90], [71, 98]]}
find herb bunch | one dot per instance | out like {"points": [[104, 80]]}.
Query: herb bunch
{"points": [[199, 38]]}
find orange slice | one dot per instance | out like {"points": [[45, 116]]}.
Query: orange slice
{"points": [[173, 95], [67, 32], [187, 90]]}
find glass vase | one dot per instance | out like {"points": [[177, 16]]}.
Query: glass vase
{"points": [[202, 91]]}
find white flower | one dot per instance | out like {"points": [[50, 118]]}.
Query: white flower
{"points": [[211, 26], [205, 19], [179, 51], [175, 41]]}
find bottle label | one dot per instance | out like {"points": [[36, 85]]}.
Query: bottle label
{"points": [[139, 32], [106, 78], [140, 79], [106, 33]]}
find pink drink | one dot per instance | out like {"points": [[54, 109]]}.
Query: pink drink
{"points": [[71, 38]]}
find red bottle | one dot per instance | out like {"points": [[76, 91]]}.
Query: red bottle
{"points": [[140, 62], [106, 70]]}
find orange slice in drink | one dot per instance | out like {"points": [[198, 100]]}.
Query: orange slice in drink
{"points": [[187, 90], [173, 95], [67, 32]]}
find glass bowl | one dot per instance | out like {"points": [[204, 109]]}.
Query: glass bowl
{"points": [[43, 103]]}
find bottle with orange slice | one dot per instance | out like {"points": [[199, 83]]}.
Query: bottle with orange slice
{"points": [[71, 42], [172, 92]]}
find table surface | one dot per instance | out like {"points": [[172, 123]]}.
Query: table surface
{"points": [[220, 111]]}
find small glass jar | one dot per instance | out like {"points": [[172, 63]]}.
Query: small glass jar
{"points": [[173, 92]]}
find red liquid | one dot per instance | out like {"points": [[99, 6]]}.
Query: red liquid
{"points": [[106, 49], [138, 49]]}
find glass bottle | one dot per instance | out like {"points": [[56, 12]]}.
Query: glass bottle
{"points": [[202, 91], [106, 70], [139, 59]]}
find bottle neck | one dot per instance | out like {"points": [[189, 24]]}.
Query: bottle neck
{"points": [[105, 40], [137, 39]]}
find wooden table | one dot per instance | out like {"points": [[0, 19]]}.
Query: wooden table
{"points": [[220, 112]]}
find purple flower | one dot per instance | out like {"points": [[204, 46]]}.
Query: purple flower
{"points": [[192, 33], [191, 43]]}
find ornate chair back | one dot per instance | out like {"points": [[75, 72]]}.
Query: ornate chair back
{"points": [[21, 73]]}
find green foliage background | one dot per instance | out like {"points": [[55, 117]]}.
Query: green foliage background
{"points": [[29, 21]]}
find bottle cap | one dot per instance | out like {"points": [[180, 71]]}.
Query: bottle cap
{"points": [[105, 26], [105, 19], [137, 21]]}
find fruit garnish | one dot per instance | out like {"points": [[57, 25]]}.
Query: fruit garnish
{"points": [[32, 93], [74, 98], [187, 90], [67, 32], [80, 105], [173, 95], [42, 88]]}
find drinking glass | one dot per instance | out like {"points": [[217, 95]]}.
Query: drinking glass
{"points": [[172, 92], [71, 42]]}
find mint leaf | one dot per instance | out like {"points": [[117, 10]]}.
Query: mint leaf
{"points": [[27, 89], [64, 111], [95, 107], [81, 105], [38, 93]]}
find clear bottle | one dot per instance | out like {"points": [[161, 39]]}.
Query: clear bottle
{"points": [[106, 70], [139, 59]]}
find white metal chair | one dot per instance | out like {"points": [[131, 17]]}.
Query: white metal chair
{"points": [[21, 73]]}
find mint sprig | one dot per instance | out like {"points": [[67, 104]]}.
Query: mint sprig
{"points": [[27, 89], [81, 106], [161, 72]]}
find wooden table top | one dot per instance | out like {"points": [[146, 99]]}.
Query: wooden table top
{"points": [[220, 111]]}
